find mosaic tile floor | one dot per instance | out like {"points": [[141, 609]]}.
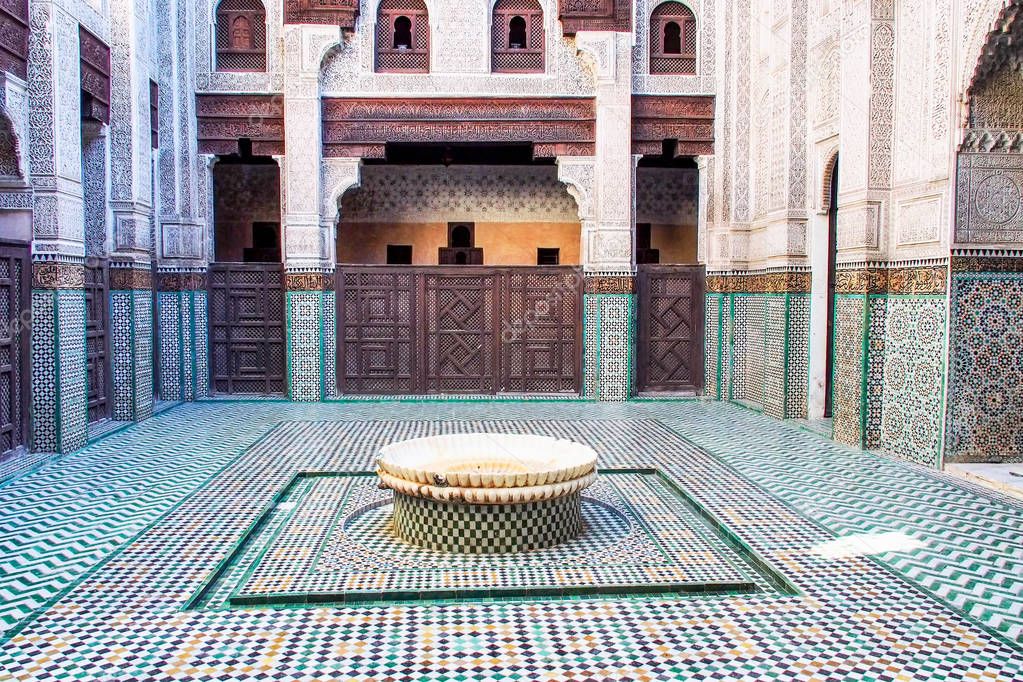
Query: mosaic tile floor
{"points": [[329, 539], [103, 550]]}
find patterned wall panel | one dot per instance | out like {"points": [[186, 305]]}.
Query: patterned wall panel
{"points": [[874, 362], [58, 370], [142, 311], [330, 344], [986, 369], [914, 338], [798, 374], [306, 352], [712, 337], [775, 359], [849, 361], [121, 365], [184, 369], [45, 428], [608, 341]]}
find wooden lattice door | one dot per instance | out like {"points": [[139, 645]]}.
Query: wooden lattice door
{"points": [[671, 304], [460, 318], [376, 323], [97, 339], [14, 345], [247, 342]]}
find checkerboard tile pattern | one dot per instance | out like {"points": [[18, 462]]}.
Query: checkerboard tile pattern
{"points": [[780, 491]]}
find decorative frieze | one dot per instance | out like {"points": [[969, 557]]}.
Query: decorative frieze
{"points": [[986, 263], [95, 75], [223, 119], [687, 119], [181, 281], [787, 282], [922, 280], [609, 284], [359, 127], [595, 15], [130, 279], [308, 281], [341, 13], [58, 275]]}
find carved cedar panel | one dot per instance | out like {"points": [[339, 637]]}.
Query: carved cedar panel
{"points": [[223, 119], [247, 341], [354, 127], [670, 353], [341, 13], [687, 119], [595, 15], [14, 37], [95, 76]]}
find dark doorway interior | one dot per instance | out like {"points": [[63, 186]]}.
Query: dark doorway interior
{"points": [[829, 369]]}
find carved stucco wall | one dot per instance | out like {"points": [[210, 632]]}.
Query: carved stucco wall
{"points": [[459, 63], [700, 83]]}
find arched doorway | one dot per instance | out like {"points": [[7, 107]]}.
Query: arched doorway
{"points": [[246, 281]]}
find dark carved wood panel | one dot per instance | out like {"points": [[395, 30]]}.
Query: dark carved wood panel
{"points": [[222, 119], [376, 321], [95, 76], [670, 353], [362, 126], [459, 319], [595, 15], [247, 337], [341, 13], [14, 346], [541, 342], [688, 119], [459, 329], [97, 339], [14, 37]]}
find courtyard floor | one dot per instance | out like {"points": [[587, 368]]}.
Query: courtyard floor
{"points": [[241, 540]]}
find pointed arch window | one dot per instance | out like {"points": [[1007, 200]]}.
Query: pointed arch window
{"points": [[517, 37], [241, 36], [403, 36], [672, 39]]}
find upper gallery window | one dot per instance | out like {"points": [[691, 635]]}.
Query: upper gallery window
{"points": [[403, 36], [241, 36], [672, 39], [517, 37]]}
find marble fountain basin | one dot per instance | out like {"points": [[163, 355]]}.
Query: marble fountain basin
{"points": [[487, 492]]}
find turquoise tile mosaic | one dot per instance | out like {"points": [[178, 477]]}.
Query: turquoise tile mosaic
{"points": [[108, 546]]}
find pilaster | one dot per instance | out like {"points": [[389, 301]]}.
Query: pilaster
{"points": [[311, 335], [59, 420], [131, 334]]}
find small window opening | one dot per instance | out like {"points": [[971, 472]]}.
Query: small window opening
{"points": [[460, 237], [545, 256], [672, 38], [402, 33], [399, 254], [517, 34]]}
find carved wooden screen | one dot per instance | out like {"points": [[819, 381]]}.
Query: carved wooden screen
{"points": [[247, 342], [517, 37], [411, 330], [459, 319], [14, 344], [672, 39], [376, 312], [670, 353], [403, 36], [541, 344], [97, 338], [241, 35]]}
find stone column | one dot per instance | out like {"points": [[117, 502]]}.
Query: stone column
{"points": [[184, 189], [608, 241], [131, 291], [308, 240], [58, 277]]}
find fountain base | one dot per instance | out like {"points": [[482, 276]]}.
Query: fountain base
{"points": [[486, 528]]}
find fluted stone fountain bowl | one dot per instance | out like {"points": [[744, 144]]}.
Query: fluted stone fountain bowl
{"points": [[487, 493]]}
